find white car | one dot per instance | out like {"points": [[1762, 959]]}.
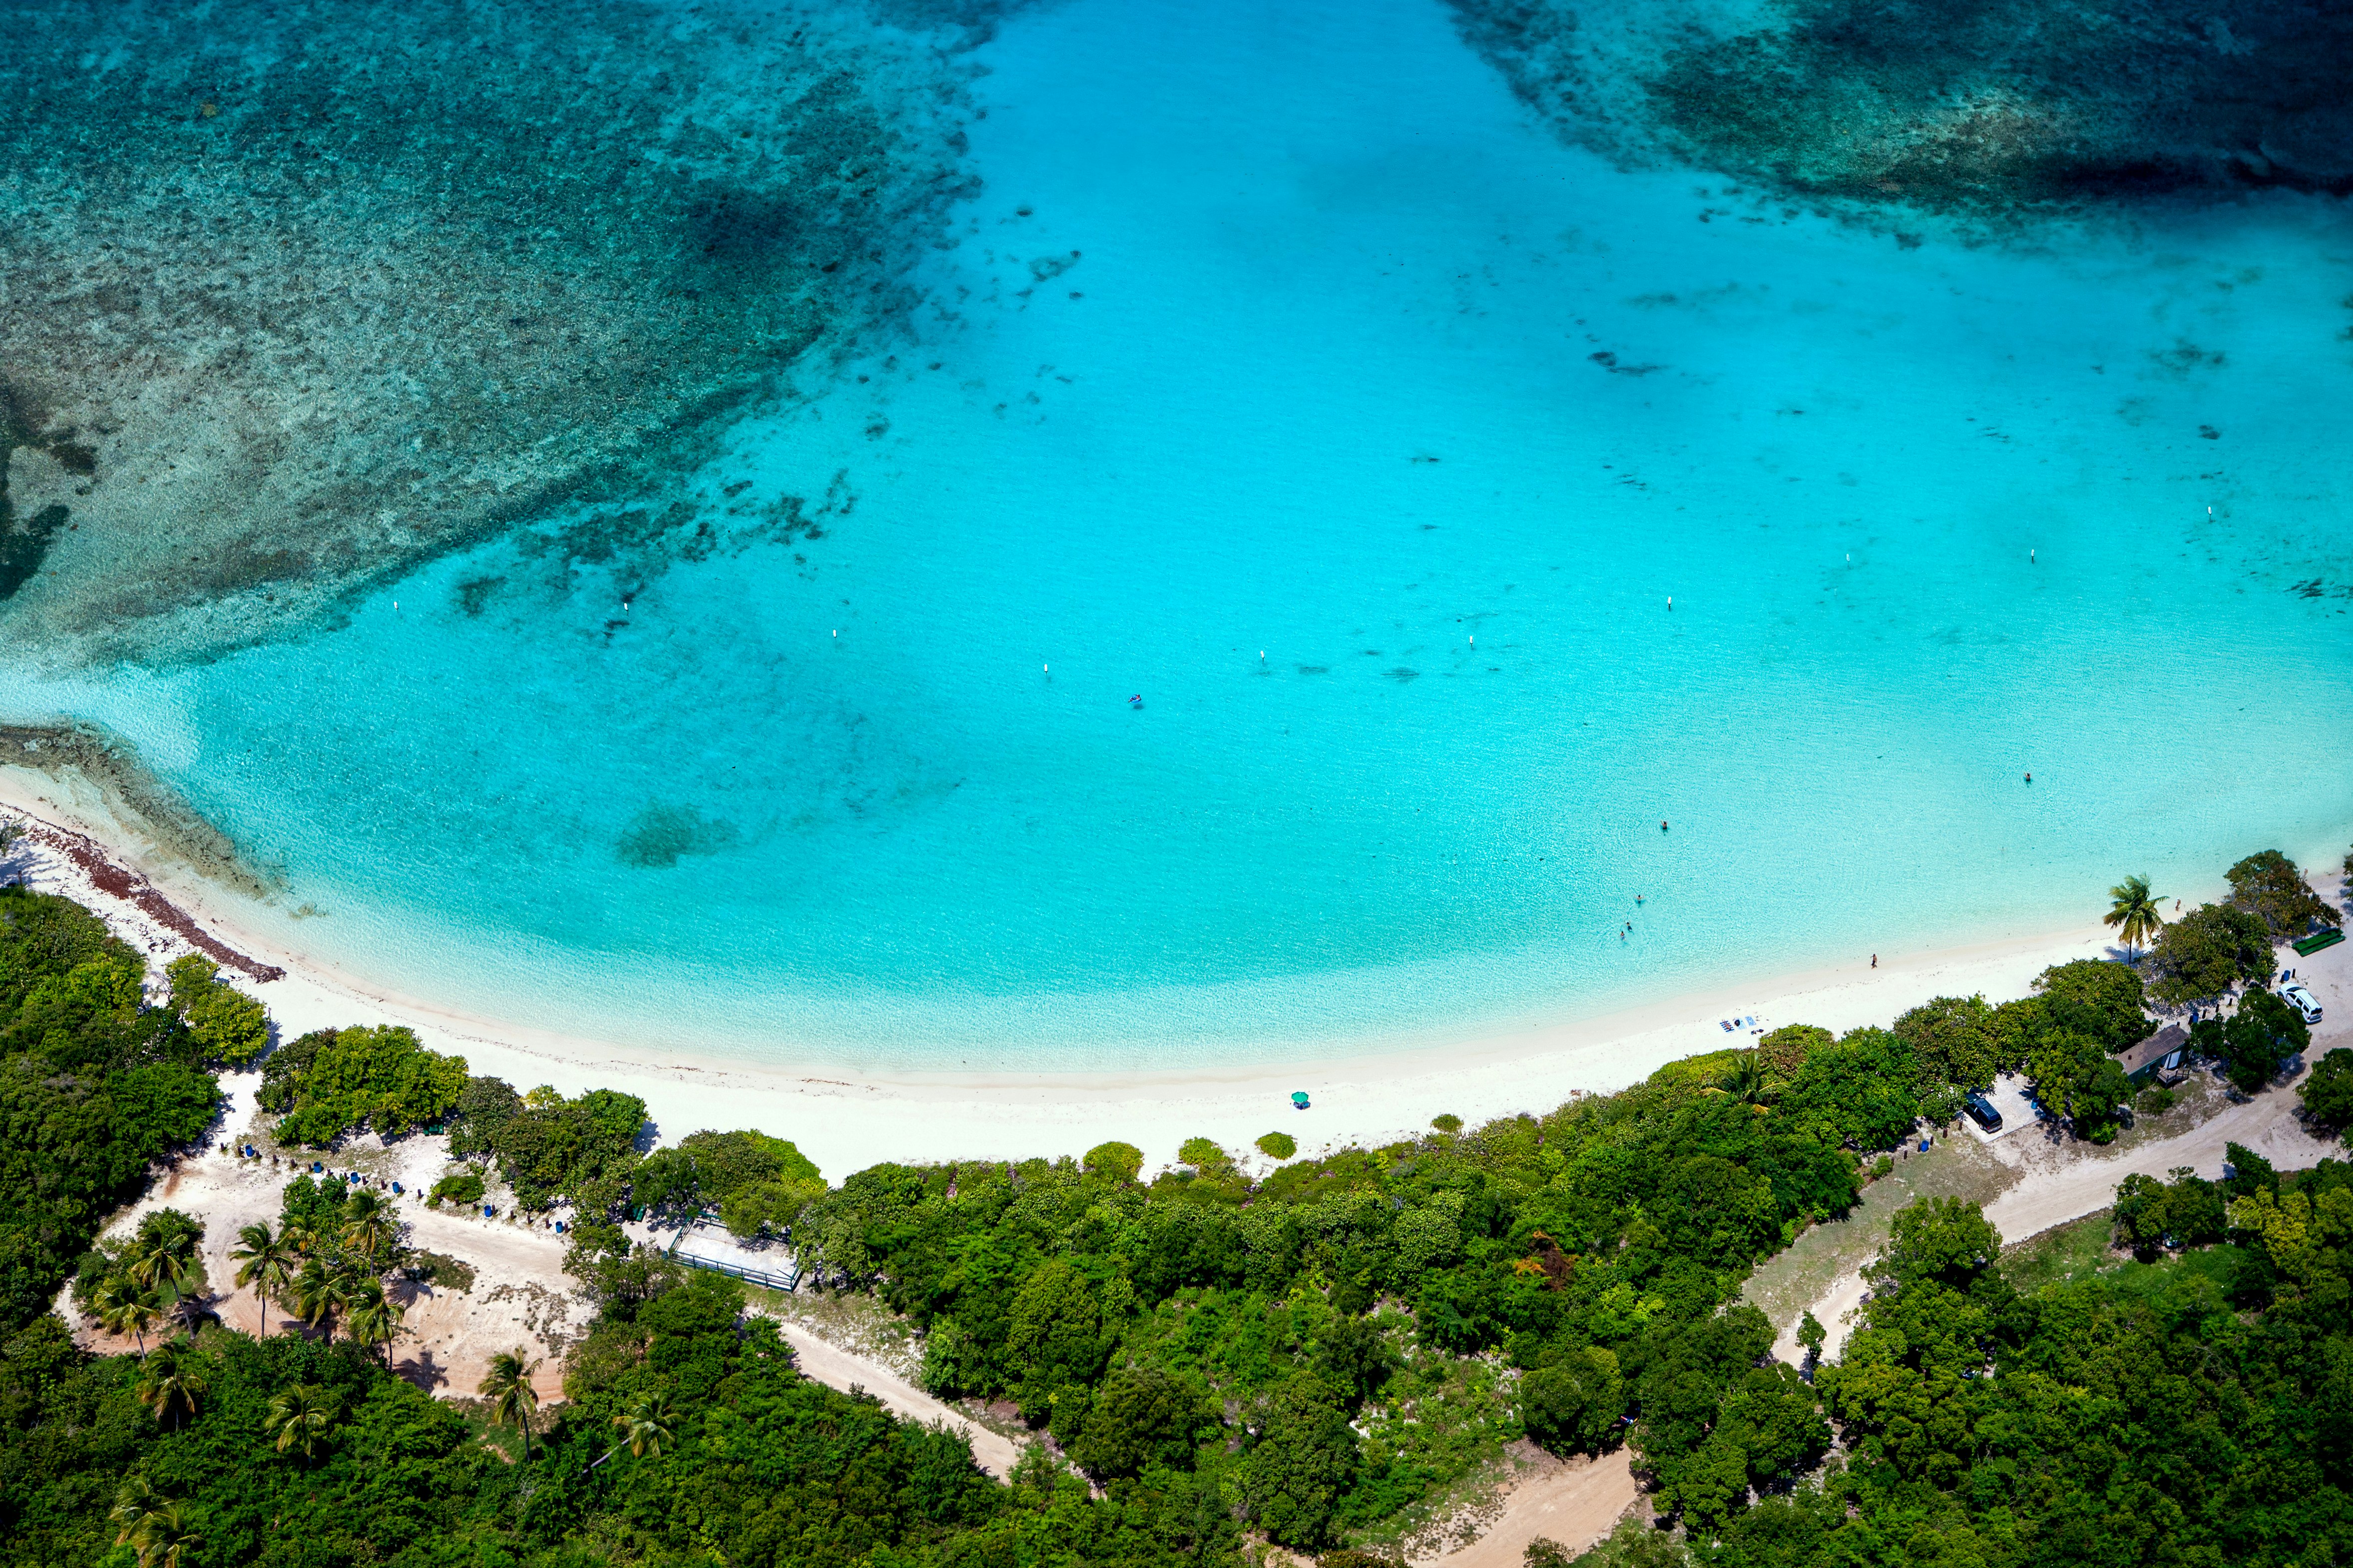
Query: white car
{"points": [[2297, 998]]}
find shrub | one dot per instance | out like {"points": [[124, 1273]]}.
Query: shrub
{"points": [[233, 1026], [2155, 1100], [465, 1187], [1447, 1122], [332, 1081], [1120, 1161], [1278, 1145]]}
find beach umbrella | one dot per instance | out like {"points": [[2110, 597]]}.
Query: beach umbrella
{"points": [[1299, 1099]]}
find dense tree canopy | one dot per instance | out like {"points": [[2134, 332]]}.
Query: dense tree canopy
{"points": [[95, 1086], [2268, 885]]}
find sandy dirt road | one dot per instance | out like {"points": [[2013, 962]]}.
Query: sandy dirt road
{"points": [[838, 1368], [1575, 1503]]}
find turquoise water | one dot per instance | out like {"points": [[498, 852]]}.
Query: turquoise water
{"points": [[1287, 373]]}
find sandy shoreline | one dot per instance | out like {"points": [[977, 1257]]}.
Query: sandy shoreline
{"points": [[846, 1124]]}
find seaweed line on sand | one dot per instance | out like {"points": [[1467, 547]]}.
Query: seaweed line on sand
{"points": [[119, 881]]}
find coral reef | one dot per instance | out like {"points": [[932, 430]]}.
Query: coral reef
{"points": [[295, 296], [1986, 109]]}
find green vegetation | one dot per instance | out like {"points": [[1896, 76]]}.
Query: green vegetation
{"points": [[233, 1026], [1320, 1357], [2328, 1093], [757, 1183], [1278, 1145], [2268, 885], [95, 1086], [2207, 951], [333, 1081], [2252, 1041], [462, 1188], [2133, 914]]}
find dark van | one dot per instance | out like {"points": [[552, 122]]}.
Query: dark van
{"points": [[1982, 1112]]}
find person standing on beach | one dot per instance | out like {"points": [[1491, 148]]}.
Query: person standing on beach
{"points": [[1874, 961]]}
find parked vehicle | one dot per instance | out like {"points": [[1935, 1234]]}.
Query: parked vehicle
{"points": [[2297, 998], [1982, 1112]]}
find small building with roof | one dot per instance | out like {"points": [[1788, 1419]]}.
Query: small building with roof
{"points": [[2160, 1057]]}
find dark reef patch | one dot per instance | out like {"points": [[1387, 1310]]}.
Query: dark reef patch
{"points": [[1986, 108], [660, 836], [306, 293]]}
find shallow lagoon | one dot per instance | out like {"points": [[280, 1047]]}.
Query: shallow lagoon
{"points": [[1291, 332]]}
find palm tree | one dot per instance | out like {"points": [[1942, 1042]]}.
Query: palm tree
{"points": [[2135, 912], [645, 1429], [152, 1524], [513, 1401], [168, 1386], [319, 1292], [369, 1227], [164, 1257], [299, 1419], [1746, 1081], [374, 1317], [266, 1262], [123, 1308], [135, 1501]]}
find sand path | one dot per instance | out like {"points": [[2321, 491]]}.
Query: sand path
{"points": [[837, 1368], [1575, 1503]]}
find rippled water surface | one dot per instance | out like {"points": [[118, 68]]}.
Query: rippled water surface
{"points": [[1264, 570]]}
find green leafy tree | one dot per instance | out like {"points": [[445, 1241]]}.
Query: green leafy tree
{"points": [[333, 1081], [2327, 1090], [2133, 914], [2078, 1083], [299, 1418], [1057, 1335], [2264, 1033], [1811, 1337], [513, 1402], [1953, 1043], [2207, 951], [1142, 1415], [2268, 885], [232, 1027], [2105, 1003], [1574, 1405], [2151, 1217], [1302, 1463]]}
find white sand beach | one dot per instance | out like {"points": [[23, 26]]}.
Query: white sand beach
{"points": [[847, 1124]]}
